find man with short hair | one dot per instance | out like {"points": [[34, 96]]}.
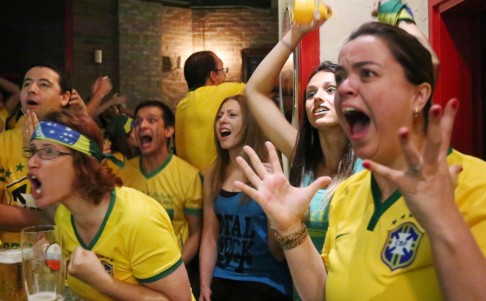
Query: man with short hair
{"points": [[165, 177], [195, 113], [44, 88]]}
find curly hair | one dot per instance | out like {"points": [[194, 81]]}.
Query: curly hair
{"points": [[93, 179]]}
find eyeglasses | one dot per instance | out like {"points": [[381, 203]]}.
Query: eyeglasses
{"points": [[226, 70], [44, 153]]}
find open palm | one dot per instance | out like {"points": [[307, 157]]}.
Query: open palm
{"points": [[284, 204]]}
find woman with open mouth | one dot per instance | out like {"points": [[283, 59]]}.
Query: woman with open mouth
{"points": [[239, 258], [410, 227], [107, 229], [319, 147]]}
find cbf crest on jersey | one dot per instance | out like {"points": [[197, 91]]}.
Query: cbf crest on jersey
{"points": [[401, 246]]}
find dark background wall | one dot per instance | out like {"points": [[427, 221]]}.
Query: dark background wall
{"points": [[30, 31]]}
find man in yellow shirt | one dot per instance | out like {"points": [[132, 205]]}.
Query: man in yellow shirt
{"points": [[44, 88], [205, 76]]}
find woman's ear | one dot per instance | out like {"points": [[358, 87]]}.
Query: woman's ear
{"points": [[422, 95]]}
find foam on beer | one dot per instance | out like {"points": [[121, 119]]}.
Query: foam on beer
{"points": [[11, 256]]}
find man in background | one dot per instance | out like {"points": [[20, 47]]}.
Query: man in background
{"points": [[205, 75]]}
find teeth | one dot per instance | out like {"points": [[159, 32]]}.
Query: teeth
{"points": [[320, 110], [348, 110], [38, 190]]}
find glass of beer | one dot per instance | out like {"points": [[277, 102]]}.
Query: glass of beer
{"points": [[11, 284], [42, 263]]}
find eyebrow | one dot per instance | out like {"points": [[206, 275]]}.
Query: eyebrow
{"points": [[322, 84], [42, 79], [364, 63], [358, 65]]}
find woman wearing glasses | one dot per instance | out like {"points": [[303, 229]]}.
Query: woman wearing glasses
{"points": [[108, 229]]}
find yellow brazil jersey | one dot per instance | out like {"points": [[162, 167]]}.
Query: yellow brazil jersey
{"points": [[194, 123], [3, 118], [14, 185], [125, 243], [175, 184], [378, 251]]}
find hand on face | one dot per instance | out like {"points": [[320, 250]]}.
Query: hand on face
{"points": [[30, 122], [284, 204], [428, 183]]}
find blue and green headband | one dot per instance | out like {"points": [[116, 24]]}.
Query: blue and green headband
{"points": [[59, 133]]}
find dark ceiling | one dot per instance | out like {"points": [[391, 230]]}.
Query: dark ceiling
{"points": [[215, 3]]}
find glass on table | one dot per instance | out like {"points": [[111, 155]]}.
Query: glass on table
{"points": [[42, 263], [11, 283]]}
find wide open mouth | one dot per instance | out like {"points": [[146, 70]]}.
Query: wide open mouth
{"points": [[357, 120], [145, 139], [224, 132], [36, 186], [31, 103]]}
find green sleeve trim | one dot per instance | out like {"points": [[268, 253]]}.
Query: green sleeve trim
{"points": [[195, 211], [162, 274]]}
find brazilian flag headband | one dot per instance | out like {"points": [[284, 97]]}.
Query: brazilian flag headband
{"points": [[58, 133]]}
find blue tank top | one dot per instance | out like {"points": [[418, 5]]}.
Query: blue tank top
{"points": [[243, 253]]}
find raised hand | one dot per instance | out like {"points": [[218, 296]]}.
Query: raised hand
{"points": [[284, 204], [31, 121], [428, 183], [76, 103], [101, 87], [318, 20]]}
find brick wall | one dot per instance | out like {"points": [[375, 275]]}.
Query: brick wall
{"points": [[135, 36], [176, 24], [95, 26], [139, 49], [225, 31]]}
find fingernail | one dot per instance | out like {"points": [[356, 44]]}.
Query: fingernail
{"points": [[435, 111], [454, 103], [366, 164]]}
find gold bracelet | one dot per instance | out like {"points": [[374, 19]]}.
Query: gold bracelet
{"points": [[293, 240], [287, 45]]}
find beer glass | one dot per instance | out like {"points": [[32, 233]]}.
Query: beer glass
{"points": [[11, 283], [42, 263]]}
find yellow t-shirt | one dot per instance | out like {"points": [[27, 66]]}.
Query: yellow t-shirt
{"points": [[14, 184], [3, 118], [175, 184], [378, 251], [125, 243], [194, 123]]}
